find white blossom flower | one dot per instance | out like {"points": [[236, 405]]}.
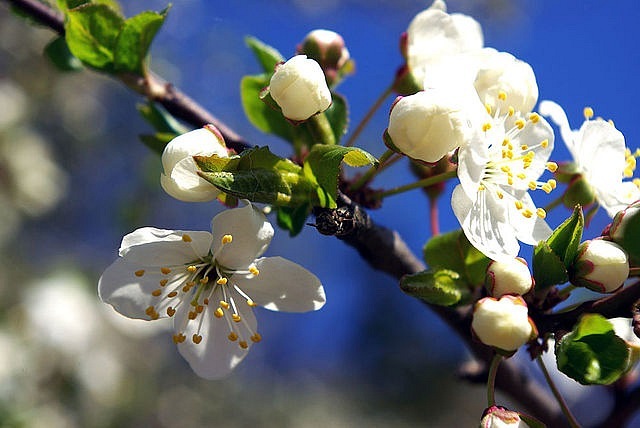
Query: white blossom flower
{"points": [[499, 417], [492, 201], [208, 283], [600, 265], [428, 124], [509, 276], [600, 155], [436, 41], [180, 178], [502, 323], [300, 89]]}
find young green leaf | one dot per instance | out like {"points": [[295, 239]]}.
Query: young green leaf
{"points": [[441, 287], [453, 251], [266, 55], [565, 239], [338, 116], [322, 166], [58, 52], [259, 113], [548, 267], [293, 219], [91, 32], [133, 42], [592, 354]]}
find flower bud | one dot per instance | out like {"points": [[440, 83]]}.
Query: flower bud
{"points": [[510, 276], [328, 49], [180, 178], [427, 125], [625, 230], [503, 323], [504, 81], [299, 87], [499, 417], [600, 265]]}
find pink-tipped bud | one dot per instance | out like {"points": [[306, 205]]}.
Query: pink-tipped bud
{"points": [[601, 266], [502, 323], [508, 277]]}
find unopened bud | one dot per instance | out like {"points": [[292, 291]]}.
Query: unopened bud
{"points": [[625, 230], [511, 276], [499, 417], [299, 87], [600, 265], [180, 178], [502, 323], [329, 50]]}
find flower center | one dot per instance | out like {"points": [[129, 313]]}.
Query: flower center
{"points": [[206, 286], [509, 170]]}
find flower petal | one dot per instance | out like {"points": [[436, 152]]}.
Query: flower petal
{"points": [[251, 234], [559, 117], [618, 197], [216, 355], [283, 285], [186, 185], [601, 154], [150, 246], [485, 224], [528, 230], [128, 287]]}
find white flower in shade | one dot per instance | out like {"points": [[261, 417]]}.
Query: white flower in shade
{"points": [[180, 178], [509, 276], [600, 155], [428, 124], [437, 42], [499, 417], [624, 330], [208, 283], [300, 89], [492, 201], [600, 266], [499, 74], [502, 323]]}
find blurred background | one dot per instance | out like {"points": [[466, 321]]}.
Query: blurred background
{"points": [[74, 178]]}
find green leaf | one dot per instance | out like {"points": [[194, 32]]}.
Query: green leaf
{"points": [[133, 42], [441, 287], [91, 32], [293, 219], [322, 166], [453, 251], [565, 238], [548, 267], [338, 116], [266, 55], [625, 231], [592, 354], [262, 116], [58, 52], [160, 119], [157, 141]]}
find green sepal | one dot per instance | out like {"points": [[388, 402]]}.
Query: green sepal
{"points": [[548, 267], [267, 56], [91, 32], [260, 114], [625, 230], [134, 40], [59, 54], [565, 239], [578, 192], [453, 251], [322, 166], [591, 353], [441, 287]]}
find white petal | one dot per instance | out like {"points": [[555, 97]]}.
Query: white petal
{"points": [[484, 222], [601, 153], [528, 230], [251, 233], [559, 117], [186, 185], [215, 356], [472, 162], [283, 285], [150, 246], [201, 141], [618, 197], [128, 293]]}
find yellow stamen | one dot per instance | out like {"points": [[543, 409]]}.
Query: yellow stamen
{"points": [[502, 95], [256, 338], [486, 127], [534, 117], [232, 336], [172, 294], [512, 111], [222, 281], [254, 271], [186, 238], [587, 112], [519, 205], [218, 313], [196, 338], [192, 315], [156, 293], [163, 282], [541, 212], [139, 273], [527, 213], [520, 123], [165, 270], [544, 144], [236, 317], [552, 183], [227, 239], [192, 269], [243, 344], [552, 166], [171, 311], [532, 185], [487, 107], [224, 304], [179, 338], [251, 303]]}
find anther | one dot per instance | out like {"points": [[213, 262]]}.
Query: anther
{"points": [[186, 238], [524, 147], [192, 269], [163, 282], [227, 239], [165, 270], [192, 315], [251, 303], [243, 344], [171, 311], [588, 113], [139, 273], [199, 309], [512, 111], [224, 305], [218, 313], [254, 271], [527, 213], [487, 106], [520, 123], [236, 317], [540, 212], [533, 185], [232, 336], [486, 126], [205, 301], [172, 294], [552, 183], [156, 293], [534, 117], [196, 338], [544, 144], [552, 166], [222, 281], [505, 141], [204, 280], [502, 95], [179, 338], [519, 205], [256, 338]]}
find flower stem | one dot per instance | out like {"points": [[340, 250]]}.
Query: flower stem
{"points": [[320, 129], [425, 182], [566, 290], [368, 176], [433, 215], [573, 423], [491, 381], [365, 120]]}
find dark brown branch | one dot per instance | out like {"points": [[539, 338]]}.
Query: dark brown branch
{"points": [[41, 13]]}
